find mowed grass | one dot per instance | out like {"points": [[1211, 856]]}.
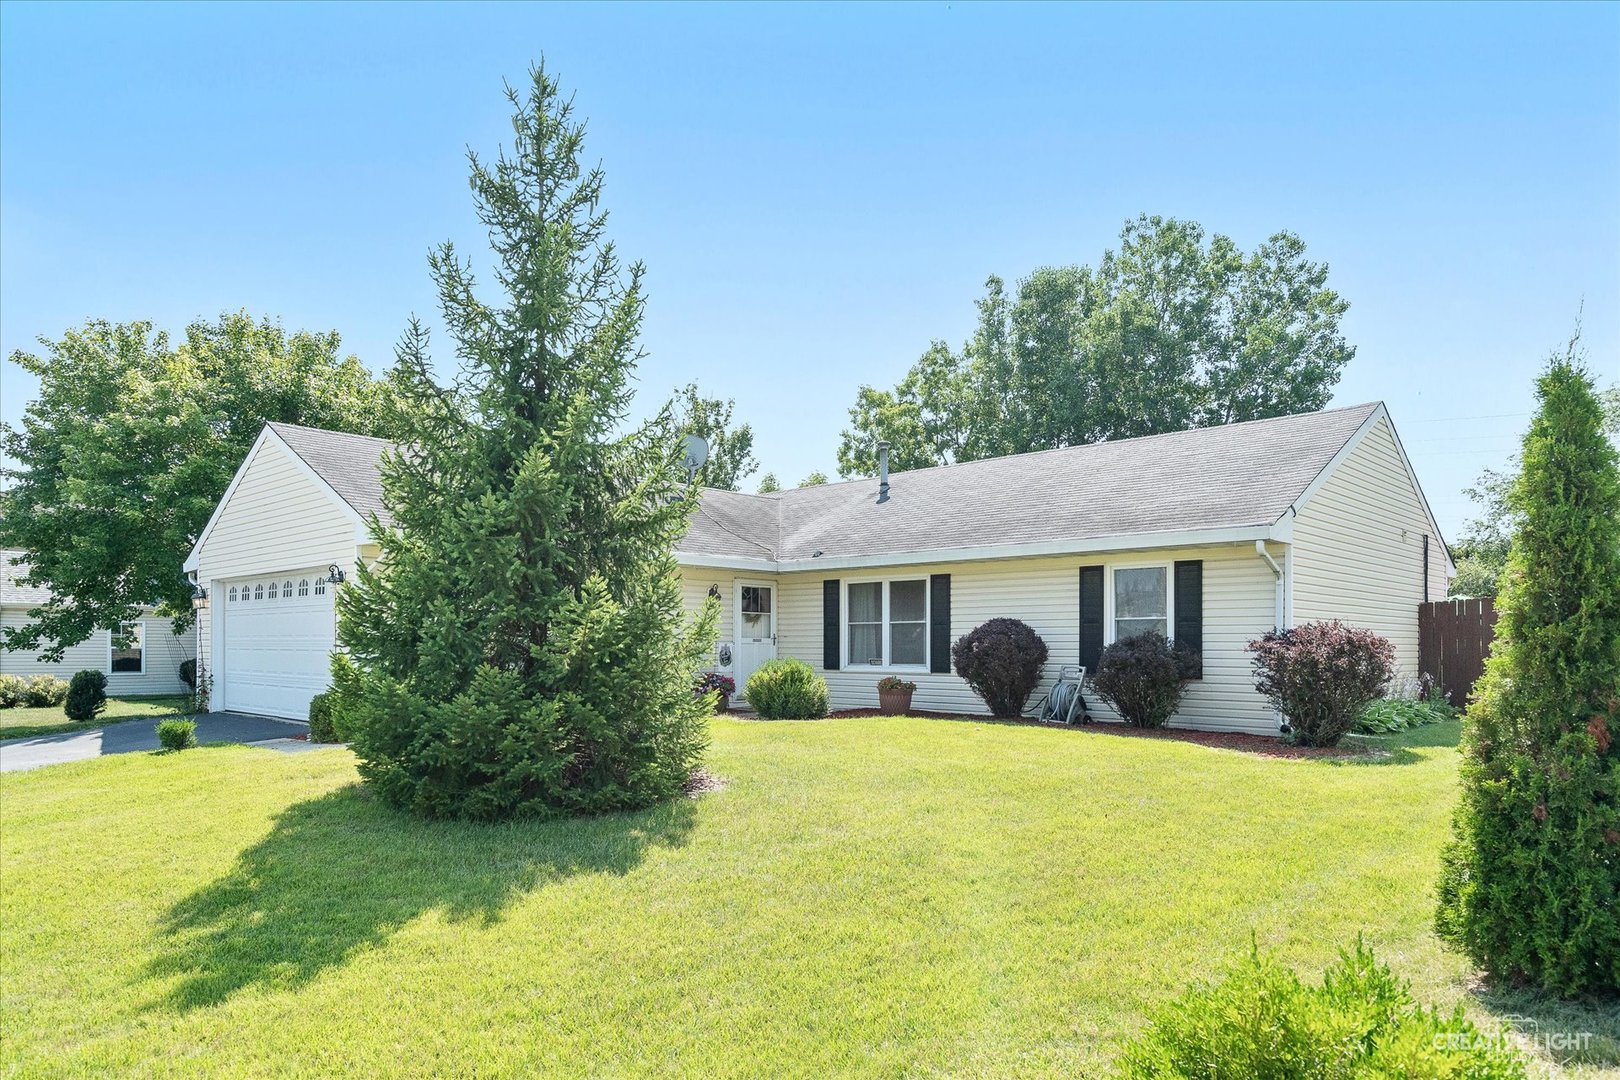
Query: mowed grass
{"points": [[20, 722], [866, 897]]}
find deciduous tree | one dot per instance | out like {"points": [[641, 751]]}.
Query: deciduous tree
{"points": [[731, 449]]}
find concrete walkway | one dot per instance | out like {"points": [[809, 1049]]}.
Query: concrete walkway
{"points": [[129, 736]]}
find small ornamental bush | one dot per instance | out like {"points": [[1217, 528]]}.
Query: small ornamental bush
{"points": [[13, 691], [1321, 676], [895, 682], [322, 726], [1260, 1020], [1002, 661], [86, 696], [177, 734], [1143, 678], [43, 691], [188, 673], [1389, 715], [787, 690]]}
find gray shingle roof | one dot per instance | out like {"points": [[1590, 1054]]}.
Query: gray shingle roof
{"points": [[11, 591], [1209, 478], [352, 464]]}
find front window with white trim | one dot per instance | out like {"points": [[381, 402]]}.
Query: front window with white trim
{"points": [[130, 658], [1141, 601], [887, 623]]}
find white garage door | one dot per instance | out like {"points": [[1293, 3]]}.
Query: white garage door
{"points": [[278, 643]]}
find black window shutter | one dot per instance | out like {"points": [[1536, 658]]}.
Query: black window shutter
{"points": [[830, 630], [1091, 617], [939, 624], [1189, 625]]}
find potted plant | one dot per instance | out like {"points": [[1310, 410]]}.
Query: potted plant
{"points": [[712, 682], [894, 695]]}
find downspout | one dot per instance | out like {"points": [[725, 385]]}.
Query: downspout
{"points": [[1283, 727]]}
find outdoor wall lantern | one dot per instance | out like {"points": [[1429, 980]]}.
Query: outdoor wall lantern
{"points": [[335, 575], [714, 592], [199, 598]]}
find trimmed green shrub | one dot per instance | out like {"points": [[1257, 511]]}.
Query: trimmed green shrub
{"points": [[322, 726], [1321, 676], [188, 673], [86, 696], [1530, 884], [786, 690], [1002, 661], [1143, 677], [13, 691], [1261, 1021], [177, 734], [43, 691]]}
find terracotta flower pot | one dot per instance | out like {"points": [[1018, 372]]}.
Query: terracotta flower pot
{"points": [[724, 705], [894, 702]]}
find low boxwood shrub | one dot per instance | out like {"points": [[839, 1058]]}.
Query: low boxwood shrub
{"points": [[43, 691], [322, 723], [86, 696], [786, 690], [1321, 676], [177, 734], [1260, 1020], [1002, 661], [188, 673], [13, 691], [1143, 677]]}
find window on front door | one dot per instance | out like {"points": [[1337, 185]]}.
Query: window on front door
{"points": [[756, 612]]}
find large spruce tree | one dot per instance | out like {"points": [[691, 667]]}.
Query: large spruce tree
{"points": [[1531, 884], [519, 648]]}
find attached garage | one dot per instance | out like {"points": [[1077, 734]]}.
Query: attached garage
{"points": [[278, 636], [295, 512]]}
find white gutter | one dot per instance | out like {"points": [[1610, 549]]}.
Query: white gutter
{"points": [[1277, 573]]}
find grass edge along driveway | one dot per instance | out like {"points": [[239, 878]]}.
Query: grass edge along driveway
{"points": [[867, 897], [23, 721]]}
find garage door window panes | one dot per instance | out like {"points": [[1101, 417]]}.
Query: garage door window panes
{"points": [[303, 586], [129, 658], [272, 590], [258, 592]]}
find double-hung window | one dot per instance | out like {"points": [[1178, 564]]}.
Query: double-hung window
{"points": [[131, 657], [1141, 601], [887, 623]]}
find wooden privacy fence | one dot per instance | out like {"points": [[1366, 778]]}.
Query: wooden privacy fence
{"points": [[1454, 637]]}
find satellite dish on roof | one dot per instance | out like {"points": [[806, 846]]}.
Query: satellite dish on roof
{"points": [[694, 452]]}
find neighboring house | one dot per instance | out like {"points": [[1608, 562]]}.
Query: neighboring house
{"points": [[1213, 536], [150, 664]]}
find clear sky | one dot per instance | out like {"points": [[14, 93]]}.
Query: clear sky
{"points": [[818, 192]]}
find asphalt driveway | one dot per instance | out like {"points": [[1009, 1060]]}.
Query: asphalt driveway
{"points": [[129, 736]]}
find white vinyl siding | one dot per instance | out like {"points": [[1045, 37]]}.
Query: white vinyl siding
{"points": [[695, 584], [1045, 592], [162, 651], [1358, 549], [278, 520]]}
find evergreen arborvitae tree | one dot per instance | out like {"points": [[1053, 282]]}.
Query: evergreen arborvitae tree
{"points": [[520, 647], [1531, 883]]}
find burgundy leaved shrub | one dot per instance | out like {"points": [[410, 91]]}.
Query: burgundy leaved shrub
{"points": [[1321, 676], [1002, 661]]}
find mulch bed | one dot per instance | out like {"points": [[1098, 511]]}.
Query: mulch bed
{"points": [[1263, 745]]}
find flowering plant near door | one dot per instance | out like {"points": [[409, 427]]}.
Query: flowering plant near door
{"points": [[712, 682]]}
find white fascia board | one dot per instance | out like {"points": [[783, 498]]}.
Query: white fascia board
{"points": [[268, 437], [1380, 413], [1099, 545]]}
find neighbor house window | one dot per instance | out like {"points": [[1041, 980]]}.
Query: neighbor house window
{"points": [[1141, 601], [887, 624], [129, 658]]}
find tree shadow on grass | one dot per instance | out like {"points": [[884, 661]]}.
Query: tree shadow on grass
{"points": [[344, 872], [1401, 749], [1567, 1032]]}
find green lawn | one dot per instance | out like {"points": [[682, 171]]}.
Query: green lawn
{"points": [[877, 897], [16, 723]]}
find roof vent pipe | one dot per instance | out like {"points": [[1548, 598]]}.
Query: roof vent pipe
{"points": [[883, 470]]}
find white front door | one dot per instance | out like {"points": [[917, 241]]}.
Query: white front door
{"points": [[756, 628], [278, 642]]}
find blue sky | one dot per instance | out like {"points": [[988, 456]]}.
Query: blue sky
{"points": [[818, 192]]}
